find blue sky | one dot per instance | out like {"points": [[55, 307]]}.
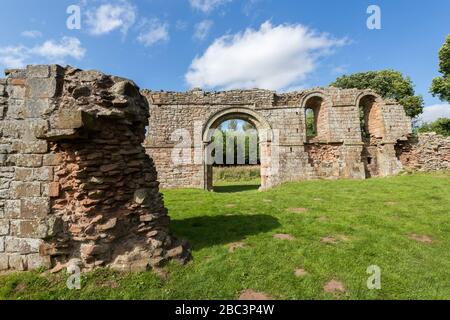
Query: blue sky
{"points": [[222, 44]]}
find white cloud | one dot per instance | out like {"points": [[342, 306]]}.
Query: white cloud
{"points": [[273, 57], [13, 56], [181, 25], [202, 29], [31, 34], [434, 112], [153, 31], [109, 17], [49, 52], [339, 69], [207, 6]]}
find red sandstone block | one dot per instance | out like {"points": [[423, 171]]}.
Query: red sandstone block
{"points": [[53, 190], [17, 82]]}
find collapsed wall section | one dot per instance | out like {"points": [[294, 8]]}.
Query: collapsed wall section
{"points": [[77, 183], [425, 152]]}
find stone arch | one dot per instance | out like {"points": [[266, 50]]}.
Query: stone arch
{"points": [[370, 105], [242, 113], [265, 135], [316, 102]]}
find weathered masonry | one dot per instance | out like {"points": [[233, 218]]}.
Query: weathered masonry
{"points": [[75, 182], [356, 133]]}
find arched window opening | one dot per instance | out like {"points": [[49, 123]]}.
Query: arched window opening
{"points": [[314, 117], [311, 129], [370, 117]]}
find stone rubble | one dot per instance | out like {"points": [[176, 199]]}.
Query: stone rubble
{"points": [[75, 181]]}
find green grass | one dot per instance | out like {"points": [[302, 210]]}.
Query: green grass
{"points": [[377, 216], [236, 173]]}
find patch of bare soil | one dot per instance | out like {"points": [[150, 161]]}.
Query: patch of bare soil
{"points": [[300, 272], [283, 236], [421, 238], [342, 237], [253, 295], [335, 240], [235, 245], [297, 210], [334, 286], [329, 240], [108, 284]]}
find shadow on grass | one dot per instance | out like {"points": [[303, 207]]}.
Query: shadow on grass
{"points": [[206, 231], [236, 188]]}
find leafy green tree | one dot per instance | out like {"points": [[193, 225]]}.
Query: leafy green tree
{"points": [[441, 85], [310, 123], [387, 83], [236, 136], [232, 125], [440, 126]]}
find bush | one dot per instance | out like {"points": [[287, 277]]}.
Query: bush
{"points": [[440, 126]]}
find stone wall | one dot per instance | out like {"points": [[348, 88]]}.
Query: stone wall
{"points": [[76, 183], [426, 152], [339, 150]]}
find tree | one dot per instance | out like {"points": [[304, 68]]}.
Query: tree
{"points": [[389, 84], [441, 85], [232, 125], [440, 126]]}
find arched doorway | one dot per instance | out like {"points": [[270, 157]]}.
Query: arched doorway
{"points": [[253, 145]]}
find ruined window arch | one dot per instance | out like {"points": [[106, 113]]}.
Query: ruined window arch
{"points": [[370, 117], [315, 117]]}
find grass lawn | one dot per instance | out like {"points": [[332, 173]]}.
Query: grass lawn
{"points": [[338, 229]]}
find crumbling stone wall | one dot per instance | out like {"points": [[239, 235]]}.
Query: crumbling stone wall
{"points": [[425, 152], [339, 150], [76, 183]]}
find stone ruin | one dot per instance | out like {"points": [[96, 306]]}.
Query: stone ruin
{"points": [[76, 183], [358, 135]]}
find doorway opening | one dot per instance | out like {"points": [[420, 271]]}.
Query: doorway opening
{"points": [[236, 166]]}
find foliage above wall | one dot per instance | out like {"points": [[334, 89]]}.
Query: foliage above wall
{"points": [[441, 85], [440, 126], [389, 84]]}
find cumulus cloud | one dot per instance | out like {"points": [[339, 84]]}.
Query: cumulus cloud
{"points": [[153, 31], [50, 51], [207, 6], [202, 29], [273, 57], [434, 112], [109, 17], [31, 34]]}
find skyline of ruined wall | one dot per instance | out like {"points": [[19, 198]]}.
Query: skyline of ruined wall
{"points": [[76, 182], [299, 157]]}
